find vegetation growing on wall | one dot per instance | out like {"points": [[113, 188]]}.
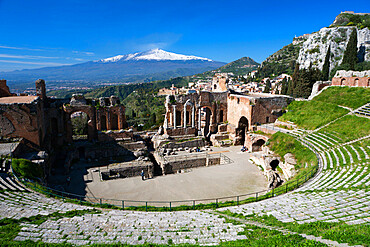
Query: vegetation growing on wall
{"points": [[27, 169]]}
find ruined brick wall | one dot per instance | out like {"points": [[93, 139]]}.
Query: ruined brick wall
{"points": [[176, 166], [23, 120], [351, 81], [4, 89], [238, 106], [115, 136], [180, 131], [193, 105], [267, 110]]}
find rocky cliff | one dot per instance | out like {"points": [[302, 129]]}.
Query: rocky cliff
{"points": [[315, 46], [311, 49]]}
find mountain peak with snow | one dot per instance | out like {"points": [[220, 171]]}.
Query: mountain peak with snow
{"points": [[154, 54]]}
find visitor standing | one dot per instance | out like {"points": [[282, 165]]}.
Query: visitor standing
{"points": [[142, 175]]}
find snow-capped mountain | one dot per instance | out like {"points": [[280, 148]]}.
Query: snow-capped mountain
{"points": [[154, 54], [137, 67]]}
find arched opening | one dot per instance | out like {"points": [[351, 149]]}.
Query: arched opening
{"points": [[113, 121], [274, 164], [343, 82], [187, 117], [79, 123], [178, 118], [221, 116], [368, 83], [103, 122], [356, 82], [206, 120], [241, 130], [257, 146]]}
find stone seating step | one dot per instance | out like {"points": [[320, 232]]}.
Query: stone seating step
{"points": [[15, 184], [6, 184]]}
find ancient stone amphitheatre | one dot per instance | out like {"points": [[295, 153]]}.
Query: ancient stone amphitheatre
{"points": [[277, 156], [325, 202]]}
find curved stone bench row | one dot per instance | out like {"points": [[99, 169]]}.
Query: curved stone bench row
{"points": [[23, 204], [349, 206], [9, 183], [114, 226]]}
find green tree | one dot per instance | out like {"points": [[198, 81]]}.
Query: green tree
{"points": [[267, 87], [153, 119], [295, 80], [284, 86], [326, 67], [305, 81], [350, 54]]}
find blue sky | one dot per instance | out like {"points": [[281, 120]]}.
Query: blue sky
{"points": [[39, 33]]}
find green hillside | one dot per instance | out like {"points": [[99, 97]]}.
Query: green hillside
{"points": [[326, 107], [347, 19], [282, 61], [239, 67]]}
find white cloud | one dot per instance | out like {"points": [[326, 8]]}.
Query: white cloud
{"points": [[89, 53], [19, 48], [26, 56], [33, 63]]}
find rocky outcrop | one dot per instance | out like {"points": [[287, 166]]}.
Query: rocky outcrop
{"points": [[315, 46], [288, 167]]}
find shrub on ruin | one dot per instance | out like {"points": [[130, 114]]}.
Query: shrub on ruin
{"points": [[27, 169]]}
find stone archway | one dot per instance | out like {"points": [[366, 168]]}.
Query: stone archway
{"points": [[91, 122], [114, 121], [257, 146], [79, 121], [343, 82], [356, 82], [241, 131], [206, 117], [103, 123], [274, 164]]}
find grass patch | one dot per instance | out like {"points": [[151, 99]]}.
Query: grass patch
{"points": [[349, 128], [352, 97], [340, 232], [312, 114], [282, 144]]}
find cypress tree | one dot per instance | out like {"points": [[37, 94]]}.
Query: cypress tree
{"points": [[267, 87], [295, 81], [284, 86], [350, 54], [326, 67]]}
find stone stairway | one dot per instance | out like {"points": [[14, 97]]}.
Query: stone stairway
{"points": [[363, 110]]}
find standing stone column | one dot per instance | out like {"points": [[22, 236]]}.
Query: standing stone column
{"points": [[200, 118], [185, 116], [165, 125], [174, 116], [193, 117]]}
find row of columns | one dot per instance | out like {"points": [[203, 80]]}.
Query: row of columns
{"points": [[193, 119], [192, 116]]}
